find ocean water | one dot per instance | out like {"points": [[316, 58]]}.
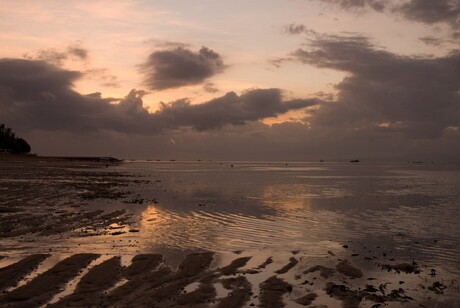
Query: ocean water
{"points": [[409, 210]]}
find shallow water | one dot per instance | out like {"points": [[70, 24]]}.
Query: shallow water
{"points": [[410, 209]]}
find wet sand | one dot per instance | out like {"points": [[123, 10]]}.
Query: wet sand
{"points": [[200, 280], [79, 234]]}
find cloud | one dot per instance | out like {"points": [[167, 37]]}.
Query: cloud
{"points": [[424, 11], [78, 52], [386, 92], [231, 109], [104, 75], [48, 55], [166, 44], [295, 29], [37, 95], [378, 5], [174, 68], [58, 57], [210, 87], [74, 53], [428, 11]]}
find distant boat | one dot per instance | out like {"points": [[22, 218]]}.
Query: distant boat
{"points": [[354, 161]]}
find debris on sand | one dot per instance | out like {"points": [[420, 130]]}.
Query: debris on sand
{"points": [[402, 267], [352, 298], [349, 270], [348, 297], [437, 287]]}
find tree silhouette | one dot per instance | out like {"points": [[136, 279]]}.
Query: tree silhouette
{"points": [[11, 143]]}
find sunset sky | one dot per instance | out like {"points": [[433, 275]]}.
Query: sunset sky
{"points": [[252, 79]]}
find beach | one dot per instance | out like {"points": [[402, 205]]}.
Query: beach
{"points": [[228, 234]]}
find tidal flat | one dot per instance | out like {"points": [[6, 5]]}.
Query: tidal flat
{"points": [[228, 234]]}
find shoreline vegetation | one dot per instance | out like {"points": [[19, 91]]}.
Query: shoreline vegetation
{"points": [[5, 156], [14, 147], [9, 143]]}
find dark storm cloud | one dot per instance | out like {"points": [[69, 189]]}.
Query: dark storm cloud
{"points": [[37, 95], [174, 68], [414, 96], [228, 109]]}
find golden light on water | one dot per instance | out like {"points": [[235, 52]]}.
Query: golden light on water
{"points": [[282, 197]]}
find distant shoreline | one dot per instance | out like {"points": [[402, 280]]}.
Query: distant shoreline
{"points": [[107, 159]]}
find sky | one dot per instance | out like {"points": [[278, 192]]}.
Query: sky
{"points": [[233, 80]]}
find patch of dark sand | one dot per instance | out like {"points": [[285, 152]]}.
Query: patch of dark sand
{"points": [[52, 224], [135, 290], [163, 287], [41, 289], [349, 270], [195, 263], [91, 287], [407, 268], [12, 274], [143, 264], [138, 273], [292, 262], [192, 269], [272, 291], [325, 272], [8, 209], [306, 299], [204, 294], [233, 267], [240, 295], [28, 208]]}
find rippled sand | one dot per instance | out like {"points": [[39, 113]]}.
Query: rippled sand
{"points": [[300, 216]]}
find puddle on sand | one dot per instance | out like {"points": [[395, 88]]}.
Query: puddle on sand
{"points": [[192, 287]]}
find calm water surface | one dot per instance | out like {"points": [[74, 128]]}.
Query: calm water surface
{"points": [[410, 210]]}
